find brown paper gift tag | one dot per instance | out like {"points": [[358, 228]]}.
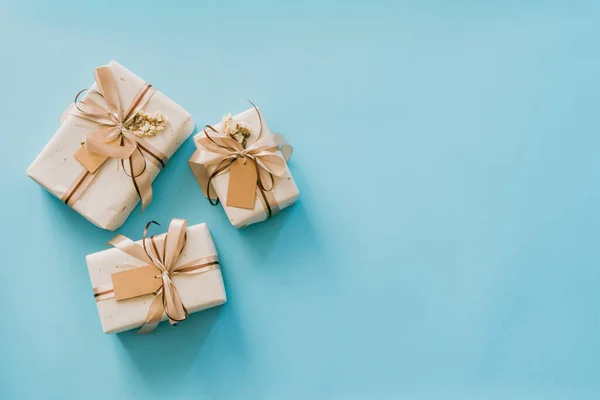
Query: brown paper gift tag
{"points": [[89, 161], [241, 192], [136, 282]]}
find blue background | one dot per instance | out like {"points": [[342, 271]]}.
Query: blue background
{"points": [[445, 245]]}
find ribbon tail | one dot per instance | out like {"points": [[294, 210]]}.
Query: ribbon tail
{"points": [[173, 305], [155, 313], [156, 157], [140, 177], [143, 187], [202, 175]]}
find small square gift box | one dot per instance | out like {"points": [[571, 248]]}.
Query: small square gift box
{"points": [[110, 146], [139, 284], [242, 164]]}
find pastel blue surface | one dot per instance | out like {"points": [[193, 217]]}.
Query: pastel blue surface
{"points": [[445, 245]]}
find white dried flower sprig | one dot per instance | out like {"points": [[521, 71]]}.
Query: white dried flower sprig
{"points": [[236, 130], [147, 125]]}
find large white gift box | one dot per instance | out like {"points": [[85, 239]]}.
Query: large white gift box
{"points": [[108, 196]]}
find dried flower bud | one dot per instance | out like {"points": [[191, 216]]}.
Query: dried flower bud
{"points": [[147, 125], [236, 130]]}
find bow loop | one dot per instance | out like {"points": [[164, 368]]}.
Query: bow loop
{"points": [[130, 247], [93, 108], [174, 243], [273, 143], [108, 88], [272, 163]]}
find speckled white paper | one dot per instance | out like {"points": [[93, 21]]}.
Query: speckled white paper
{"points": [[198, 291], [111, 196], [285, 189]]}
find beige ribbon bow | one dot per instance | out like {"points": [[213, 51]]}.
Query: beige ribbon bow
{"points": [[222, 151], [111, 137], [167, 299]]}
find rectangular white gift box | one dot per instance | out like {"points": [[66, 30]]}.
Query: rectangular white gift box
{"points": [[284, 190], [111, 195], [198, 291]]}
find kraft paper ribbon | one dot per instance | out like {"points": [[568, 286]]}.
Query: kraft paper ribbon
{"points": [[167, 300], [110, 137], [221, 152]]}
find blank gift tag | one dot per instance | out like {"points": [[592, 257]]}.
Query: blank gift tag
{"points": [[136, 282], [241, 192], [89, 161]]}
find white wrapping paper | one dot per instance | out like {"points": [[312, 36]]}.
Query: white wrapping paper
{"points": [[285, 190], [111, 196], [197, 291]]}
